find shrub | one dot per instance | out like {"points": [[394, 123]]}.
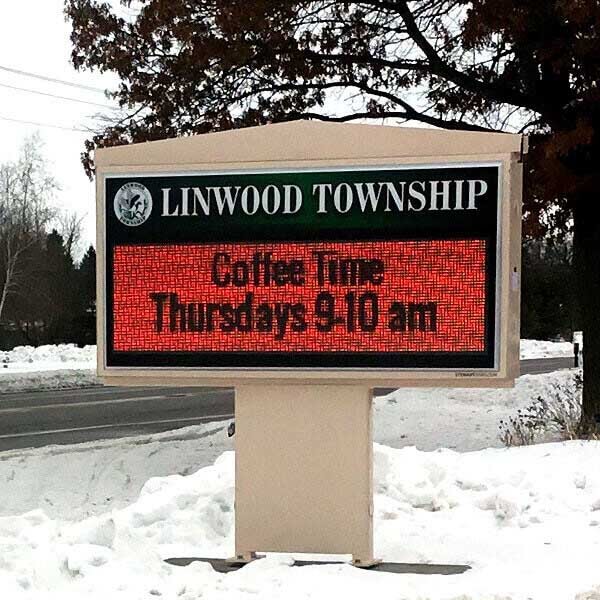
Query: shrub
{"points": [[556, 415]]}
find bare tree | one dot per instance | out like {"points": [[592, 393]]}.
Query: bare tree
{"points": [[26, 191], [69, 226]]}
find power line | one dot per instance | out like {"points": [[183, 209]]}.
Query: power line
{"points": [[89, 88], [37, 124], [14, 87]]}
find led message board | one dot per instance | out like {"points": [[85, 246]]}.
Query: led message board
{"points": [[365, 268]]}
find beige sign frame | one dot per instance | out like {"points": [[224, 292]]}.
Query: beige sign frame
{"points": [[304, 443], [331, 146]]}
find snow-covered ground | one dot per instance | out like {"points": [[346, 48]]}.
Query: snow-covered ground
{"points": [[57, 379], [66, 366], [96, 520], [47, 367], [545, 349], [96, 477], [526, 519], [459, 419], [47, 358]]}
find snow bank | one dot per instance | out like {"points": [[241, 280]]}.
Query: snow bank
{"points": [[96, 477], [47, 367], [44, 357], [526, 519], [544, 349], [47, 380]]}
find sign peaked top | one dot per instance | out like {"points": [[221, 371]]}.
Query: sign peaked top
{"points": [[307, 140]]}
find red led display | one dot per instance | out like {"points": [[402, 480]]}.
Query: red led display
{"points": [[366, 296]]}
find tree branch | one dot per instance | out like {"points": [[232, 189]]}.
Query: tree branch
{"points": [[352, 59], [442, 123], [498, 93]]}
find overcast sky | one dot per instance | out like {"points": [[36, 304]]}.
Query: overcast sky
{"points": [[34, 37]]}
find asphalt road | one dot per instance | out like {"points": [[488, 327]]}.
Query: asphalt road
{"points": [[535, 366], [33, 419]]}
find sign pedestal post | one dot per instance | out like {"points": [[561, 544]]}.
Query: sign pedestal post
{"points": [[304, 471]]}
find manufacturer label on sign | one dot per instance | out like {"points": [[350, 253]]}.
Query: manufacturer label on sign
{"points": [[373, 268]]}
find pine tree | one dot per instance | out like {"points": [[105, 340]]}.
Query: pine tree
{"points": [[85, 316]]}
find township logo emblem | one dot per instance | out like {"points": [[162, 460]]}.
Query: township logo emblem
{"points": [[133, 204]]}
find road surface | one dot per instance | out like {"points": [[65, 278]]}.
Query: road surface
{"points": [[33, 419]]}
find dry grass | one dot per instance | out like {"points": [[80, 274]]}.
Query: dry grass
{"points": [[556, 416]]}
